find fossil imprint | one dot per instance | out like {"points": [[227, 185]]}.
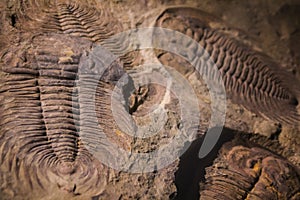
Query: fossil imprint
{"points": [[243, 172], [40, 148], [250, 77]]}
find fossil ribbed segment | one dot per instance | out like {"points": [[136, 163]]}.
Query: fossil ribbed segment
{"points": [[77, 18], [86, 19], [250, 77], [41, 148], [40, 119], [242, 172]]}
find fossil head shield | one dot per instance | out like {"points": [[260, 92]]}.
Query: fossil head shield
{"points": [[100, 64]]}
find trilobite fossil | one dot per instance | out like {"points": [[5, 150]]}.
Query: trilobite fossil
{"points": [[40, 116], [251, 78], [250, 172]]}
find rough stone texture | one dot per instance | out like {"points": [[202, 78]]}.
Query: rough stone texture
{"points": [[242, 172], [41, 152], [267, 128]]}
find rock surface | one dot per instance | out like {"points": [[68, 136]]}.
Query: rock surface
{"points": [[48, 138]]}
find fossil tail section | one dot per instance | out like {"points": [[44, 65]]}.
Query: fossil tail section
{"points": [[250, 77]]}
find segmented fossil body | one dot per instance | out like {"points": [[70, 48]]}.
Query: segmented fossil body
{"points": [[242, 172], [250, 77], [41, 114], [87, 19], [45, 115]]}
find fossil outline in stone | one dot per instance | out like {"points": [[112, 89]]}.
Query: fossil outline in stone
{"points": [[86, 19], [47, 139], [44, 147], [250, 172], [251, 78]]}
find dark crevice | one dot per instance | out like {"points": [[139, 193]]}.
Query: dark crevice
{"points": [[191, 169], [275, 136], [13, 19], [294, 101], [248, 192]]}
